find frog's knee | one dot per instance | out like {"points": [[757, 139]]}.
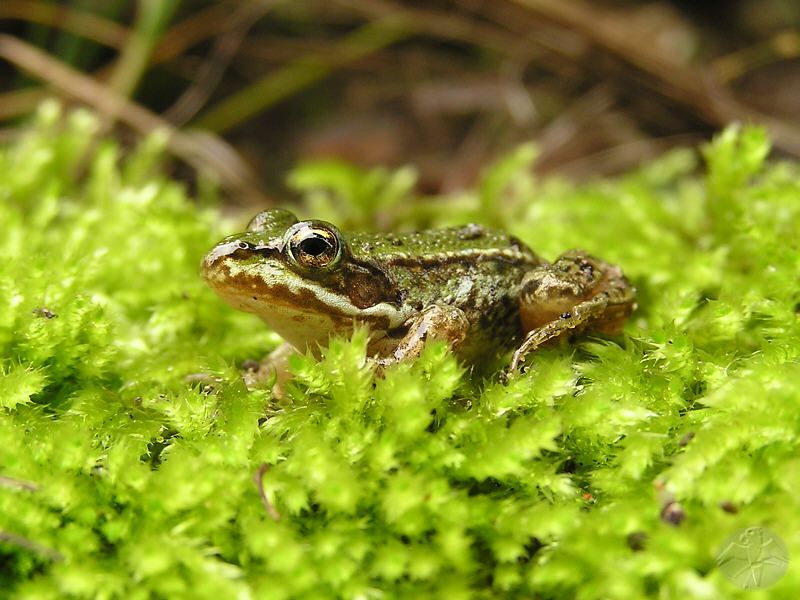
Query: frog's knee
{"points": [[444, 322], [550, 288], [581, 267]]}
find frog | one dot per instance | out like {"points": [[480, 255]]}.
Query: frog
{"points": [[480, 289]]}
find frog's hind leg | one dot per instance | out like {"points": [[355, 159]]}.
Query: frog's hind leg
{"points": [[574, 319], [575, 293]]}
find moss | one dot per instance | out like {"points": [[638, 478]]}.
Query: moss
{"points": [[129, 445]]}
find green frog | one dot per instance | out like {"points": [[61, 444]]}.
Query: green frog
{"points": [[480, 289]]}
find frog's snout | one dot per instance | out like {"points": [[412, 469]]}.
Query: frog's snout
{"points": [[235, 254], [233, 249], [219, 253]]}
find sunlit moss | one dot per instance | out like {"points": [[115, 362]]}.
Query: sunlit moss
{"points": [[129, 445]]}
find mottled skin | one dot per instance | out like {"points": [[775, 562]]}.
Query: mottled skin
{"points": [[481, 289]]}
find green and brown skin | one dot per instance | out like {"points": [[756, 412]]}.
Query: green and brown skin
{"points": [[480, 289]]}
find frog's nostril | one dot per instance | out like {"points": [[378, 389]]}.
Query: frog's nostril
{"points": [[234, 249]]}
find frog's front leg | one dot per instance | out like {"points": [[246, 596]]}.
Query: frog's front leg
{"points": [[575, 293], [256, 374], [441, 322]]}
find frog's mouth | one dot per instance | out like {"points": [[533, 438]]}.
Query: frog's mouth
{"points": [[301, 312]]}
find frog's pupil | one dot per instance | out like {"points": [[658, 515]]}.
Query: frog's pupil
{"points": [[313, 247], [316, 245]]}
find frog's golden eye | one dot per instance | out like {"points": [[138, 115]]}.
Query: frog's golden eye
{"points": [[314, 245]]}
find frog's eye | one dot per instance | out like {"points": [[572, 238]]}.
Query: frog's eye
{"points": [[314, 245]]}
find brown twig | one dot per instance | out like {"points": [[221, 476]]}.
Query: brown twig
{"points": [[211, 71], [447, 25], [35, 547], [20, 102], [258, 479], [79, 22], [299, 74], [689, 86], [196, 148], [134, 55], [18, 483], [782, 46], [176, 40], [195, 28]]}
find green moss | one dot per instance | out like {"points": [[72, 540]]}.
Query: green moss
{"points": [[129, 445]]}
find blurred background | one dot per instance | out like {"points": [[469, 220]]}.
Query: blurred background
{"points": [[247, 88]]}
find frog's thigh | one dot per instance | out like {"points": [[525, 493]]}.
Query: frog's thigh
{"points": [[559, 297], [549, 291], [441, 322]]}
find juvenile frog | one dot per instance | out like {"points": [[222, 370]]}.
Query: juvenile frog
{"points": [[480, 289]]}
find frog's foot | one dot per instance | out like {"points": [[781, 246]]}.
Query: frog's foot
{"points": [[575, 293], [258, 374], [441, 322]]}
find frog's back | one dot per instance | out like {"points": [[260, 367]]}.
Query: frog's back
{"points": [[476, 269], [433, 243]]}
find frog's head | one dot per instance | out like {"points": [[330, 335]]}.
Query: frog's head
{"points": [[300, 278]]}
